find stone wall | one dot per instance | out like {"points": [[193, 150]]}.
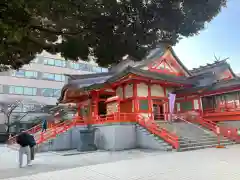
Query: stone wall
{"points": [[110, 137], [115, 137], [146, 140]]}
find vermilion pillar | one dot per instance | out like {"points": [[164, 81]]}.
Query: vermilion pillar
{"points": [[135, 103], [95, 101], [150, 99]]}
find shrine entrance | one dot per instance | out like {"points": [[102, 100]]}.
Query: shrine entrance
{"points": [[158, 109], [102, 109]]}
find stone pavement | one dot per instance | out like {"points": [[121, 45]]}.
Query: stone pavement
{"points": [[206, 164], [45, 162]]}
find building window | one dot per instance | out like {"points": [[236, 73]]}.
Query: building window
{"points": [[30, 91], [47, 92], [23, 90], [81, 66], [31, 74], [24, 73], [48, 76], [55, 62], [19, 73], [1, 88], [104, 69], [53, 77], [59, 77], [48, 61], [57, 93], [97, 69], [60, 63], [16, 90], [74, 65], [85, 67]]}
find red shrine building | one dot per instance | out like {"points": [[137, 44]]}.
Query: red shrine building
{"points": [[142, 87]]}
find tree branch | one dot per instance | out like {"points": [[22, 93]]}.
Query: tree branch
{"points": [[53, 31], [11, 110], [44, 45]]}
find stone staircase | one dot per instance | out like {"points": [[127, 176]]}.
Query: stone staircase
{"points": [[147, 140], [226, 123], [192, 136]]}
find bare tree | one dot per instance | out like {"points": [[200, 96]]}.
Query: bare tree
{"points": [[9, 105]]}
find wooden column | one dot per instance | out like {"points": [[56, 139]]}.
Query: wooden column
{"points": [[238, 98], [150, 100], [94, 105], [123, 91], [96, 102], [200, 106], [135, 97], [165, 105]]}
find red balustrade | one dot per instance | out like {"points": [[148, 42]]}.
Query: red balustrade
{"points": [[154, 128], [228, 132], [227, 108], [57, 128]]}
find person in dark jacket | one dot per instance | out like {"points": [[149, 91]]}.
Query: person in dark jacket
{"points": [[44, 125], [32, 146], [24, 142]]}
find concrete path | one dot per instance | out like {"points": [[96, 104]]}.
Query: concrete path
{"points": [[206, 164], [45, 162]]}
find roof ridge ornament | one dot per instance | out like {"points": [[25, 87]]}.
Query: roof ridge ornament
{"points": [[209, 65]]}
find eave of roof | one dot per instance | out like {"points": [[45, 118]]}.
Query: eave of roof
{"points": [[221, 85], [208, 66], [148, 74], [179, 61], [84, 76], [128, 70]]}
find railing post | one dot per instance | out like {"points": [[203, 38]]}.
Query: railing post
{"points": [[54, 131], [41, 137], [75, 121]]}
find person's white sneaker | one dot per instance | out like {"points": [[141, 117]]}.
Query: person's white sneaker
{"points": [[30, 164]]}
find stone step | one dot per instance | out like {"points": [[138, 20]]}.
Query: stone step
{"points": [[165, 145], [205, 140], [189, 148], [203, 143]]}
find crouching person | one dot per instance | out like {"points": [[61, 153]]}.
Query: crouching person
{"points": [[24, 142]]}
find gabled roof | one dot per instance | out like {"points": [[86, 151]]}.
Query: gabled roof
{"points": [[156, 54], [123, 64], [221, 85], [218, 66], [148, 74], [84, 76], [207, 66], [99, 82], [179, 61]]}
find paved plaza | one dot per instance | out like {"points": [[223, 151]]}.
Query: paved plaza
{"points": [[205, 164]]}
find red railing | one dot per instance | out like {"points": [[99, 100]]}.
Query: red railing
{"points": [[228, 108], [114, 118], [57, 128], [154, 128], [228, 132]]}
